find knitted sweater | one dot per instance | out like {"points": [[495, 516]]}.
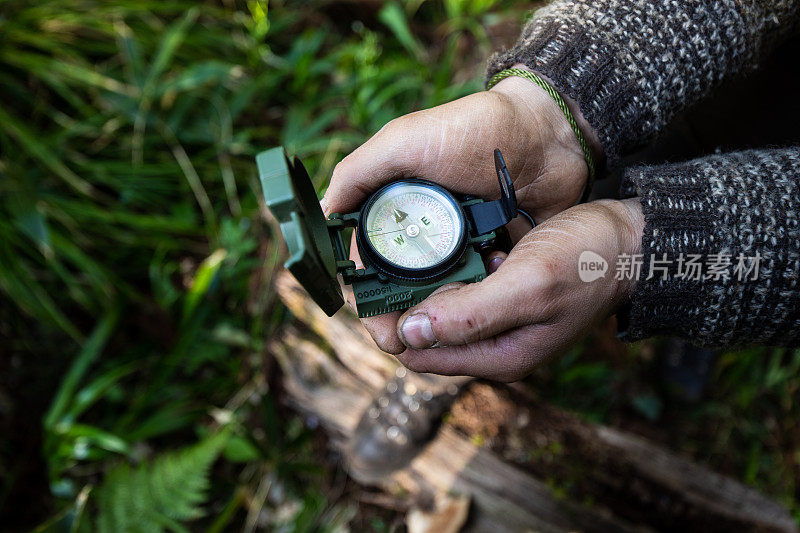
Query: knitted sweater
{"points": [[632, 65]]}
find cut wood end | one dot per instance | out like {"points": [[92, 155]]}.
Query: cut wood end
{"points": [[448, 516]]}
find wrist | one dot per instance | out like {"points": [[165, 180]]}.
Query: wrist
{"points": [[631, 229], [544, 135], [538, 110], [540, 100], [589, 133]]}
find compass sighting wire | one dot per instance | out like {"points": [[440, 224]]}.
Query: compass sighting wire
{"points": [[527, 217]]}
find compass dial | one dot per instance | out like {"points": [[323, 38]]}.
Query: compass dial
{"points": [[414, 225]]}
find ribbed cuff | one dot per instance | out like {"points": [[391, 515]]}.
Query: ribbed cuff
{"points": [[739, 207], [578, 68], [632, 65], [678, 220]]}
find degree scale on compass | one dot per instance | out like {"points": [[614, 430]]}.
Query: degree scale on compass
{"points": [[413, 226]]}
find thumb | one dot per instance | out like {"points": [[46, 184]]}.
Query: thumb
{"points": [[472, 312]]}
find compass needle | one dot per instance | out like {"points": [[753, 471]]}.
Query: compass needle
{"points": [[430, 226], [399, 216], [375, 234]]}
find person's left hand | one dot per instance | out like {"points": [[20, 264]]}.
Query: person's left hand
{"points": [[532, 307]]}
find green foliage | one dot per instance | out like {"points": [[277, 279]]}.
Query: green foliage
{"points": [[753, 411], [158, 496], [135, 263]]}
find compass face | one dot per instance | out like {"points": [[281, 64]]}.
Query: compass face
{"points": [[414, 225]]}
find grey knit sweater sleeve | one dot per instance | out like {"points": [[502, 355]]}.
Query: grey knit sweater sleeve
{"points": [[631, 65], [732, 211]]}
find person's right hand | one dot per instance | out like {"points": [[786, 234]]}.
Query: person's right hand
{"points": [[535, 305], [453, 145]]}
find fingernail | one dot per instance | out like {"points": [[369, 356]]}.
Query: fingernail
{"points": [[495, 263], [417, 332], [324, 205]]}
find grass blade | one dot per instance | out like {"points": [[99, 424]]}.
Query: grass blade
{"points": [[88, 354], [39, 150]]}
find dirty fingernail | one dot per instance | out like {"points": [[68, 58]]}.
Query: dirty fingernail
{"points": [[495, 263], [417, 332]]}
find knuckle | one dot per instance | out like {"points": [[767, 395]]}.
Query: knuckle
{"points": [[338, 169], [467, 325], [394, 126], [461, 316], [343, 170], [546, 282], [345, 166]]}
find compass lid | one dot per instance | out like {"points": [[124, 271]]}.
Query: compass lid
{"points": [[290, 196]]}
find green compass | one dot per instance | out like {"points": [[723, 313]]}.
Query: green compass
{"points": [[413, 236]]}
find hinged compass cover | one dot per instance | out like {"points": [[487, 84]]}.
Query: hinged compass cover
{"points": [[290, 196]]}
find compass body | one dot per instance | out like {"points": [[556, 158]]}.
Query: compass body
{"points": [[413, 236]]}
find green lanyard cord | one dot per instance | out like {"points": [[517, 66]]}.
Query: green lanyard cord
{"points": [[562, 105]]}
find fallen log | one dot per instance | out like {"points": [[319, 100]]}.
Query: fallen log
{"points": [[503, 497], [498, 444]]}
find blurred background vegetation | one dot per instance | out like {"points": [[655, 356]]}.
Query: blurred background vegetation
{"points": [[135, 262]]}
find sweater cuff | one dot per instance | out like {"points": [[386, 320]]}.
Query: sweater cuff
{"points": [[720, 250], [632, 65], [678, 220], [579, 68]]}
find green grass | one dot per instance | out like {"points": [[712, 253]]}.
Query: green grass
{"points": [[746, 425], [135, 260]]}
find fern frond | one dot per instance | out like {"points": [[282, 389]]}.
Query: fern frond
{"points": [[158, 496]]}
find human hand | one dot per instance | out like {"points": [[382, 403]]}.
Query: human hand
{"points": [[453, 145], [533, 307]]}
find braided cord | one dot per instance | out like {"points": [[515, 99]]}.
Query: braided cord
{"points": [[562, 105]]}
